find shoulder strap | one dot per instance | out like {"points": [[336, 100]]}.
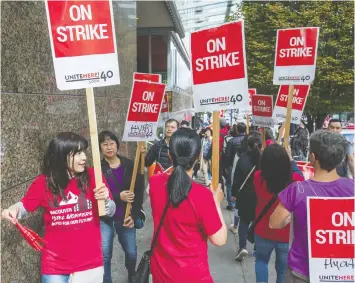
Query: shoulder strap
{"points": [[159, 227], [108, 172], [246, 179], [265, 210]]}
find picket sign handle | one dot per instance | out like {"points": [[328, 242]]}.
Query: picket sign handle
{"points": [[288, 115], [215, 150], [280, 133], [143, 158], [247, 117], [134, 176], [95, 145], [263, 138]]}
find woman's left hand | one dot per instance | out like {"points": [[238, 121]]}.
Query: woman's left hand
{"points": [[101, 193]]}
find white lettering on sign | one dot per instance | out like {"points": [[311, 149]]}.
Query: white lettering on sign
{"points": [[295, 99], [296, 51], [81, 32], [337, 237], [262, 108], [217, 61], [261, 102], [148, 96], [343, 219], [216, 45], [80, 13]]}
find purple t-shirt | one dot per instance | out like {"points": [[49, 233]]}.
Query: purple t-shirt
{"points": [[117, 173], [294, 199]]}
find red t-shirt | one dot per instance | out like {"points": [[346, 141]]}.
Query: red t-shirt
{"points": [[72, 230], [180, 254], [262, 229]]}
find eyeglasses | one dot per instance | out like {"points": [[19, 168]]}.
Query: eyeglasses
{"points": [[106, 145]]}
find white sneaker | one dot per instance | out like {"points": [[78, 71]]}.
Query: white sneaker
{"points": [[241, 254], [234, 229]]}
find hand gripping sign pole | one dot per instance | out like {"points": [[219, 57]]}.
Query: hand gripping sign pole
{"points": [[281, 133], [134, 175], [95, 145], [215, 150], [288, 115]]}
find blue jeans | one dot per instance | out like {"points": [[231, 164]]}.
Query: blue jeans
{"points": [[127, 239], [264, 249], [55, 278], [229, 186], [243, 233]]}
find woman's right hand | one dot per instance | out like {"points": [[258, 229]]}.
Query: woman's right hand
{"points": [[127, 196], [218, 194], [10, 214]]}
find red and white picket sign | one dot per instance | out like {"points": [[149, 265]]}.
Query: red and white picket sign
{"points": [[295, 56], [219, 70], [154, 78], [83, 43], [331, 239], [143, 112], [262, 110], [248, 109], [165, 105], [300, 95]]}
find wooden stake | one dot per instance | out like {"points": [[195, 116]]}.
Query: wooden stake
{"points": [[247, 118], [281, 133], [215, 150], [263, 138], [142, 156], [95, 145], [134, 177], [288, 115]]}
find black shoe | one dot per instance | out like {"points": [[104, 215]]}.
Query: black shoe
{"points": [[241, 254], [230, 207]]}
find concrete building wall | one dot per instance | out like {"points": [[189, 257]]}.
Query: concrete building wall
{"points": [[33, 110]]}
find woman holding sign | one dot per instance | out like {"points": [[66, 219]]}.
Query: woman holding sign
{"points": [[118, 172], [327, 151], [189, 214], [66, 191]]}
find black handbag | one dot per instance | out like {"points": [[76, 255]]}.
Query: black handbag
{"points": [[251, 237], [143, 270]]}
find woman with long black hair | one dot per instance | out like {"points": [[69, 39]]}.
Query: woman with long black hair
{"points": [[278, 171], [66, 191], [243, 189], [193, 215]]}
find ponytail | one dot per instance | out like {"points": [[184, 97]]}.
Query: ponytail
{"points": [[179, 185], [184, 149]]}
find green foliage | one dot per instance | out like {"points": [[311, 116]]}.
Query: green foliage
{"points": [[333, 89]]}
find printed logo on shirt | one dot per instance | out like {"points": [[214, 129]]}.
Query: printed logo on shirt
{"points": [[78, 211]]}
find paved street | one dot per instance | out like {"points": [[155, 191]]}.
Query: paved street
{"points": [[224, 268]]}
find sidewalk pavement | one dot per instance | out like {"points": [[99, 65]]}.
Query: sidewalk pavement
{"points": [[224, 268]]}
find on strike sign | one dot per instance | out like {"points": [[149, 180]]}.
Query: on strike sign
{"points": [[295, 56], [83, 43], [300, 95], [143, 111], [219, 68], [262, 110], [331, 239]]}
